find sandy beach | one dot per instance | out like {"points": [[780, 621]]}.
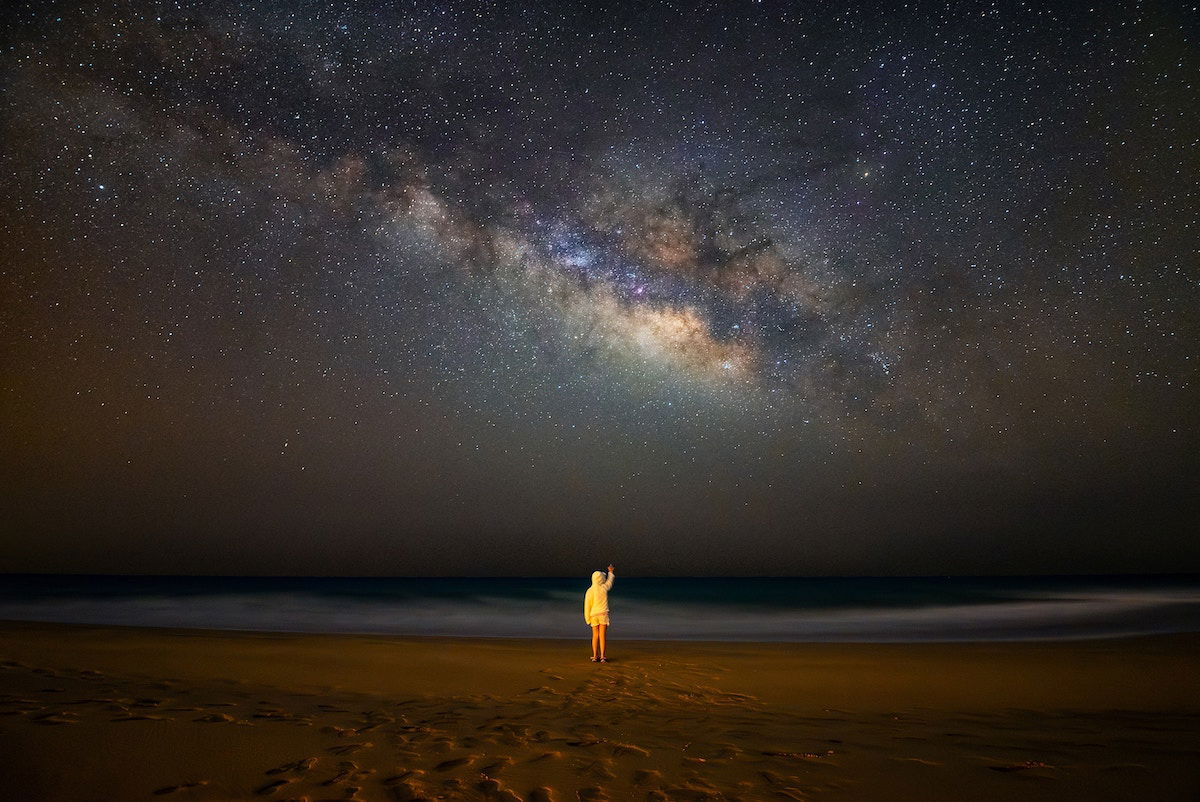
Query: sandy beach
{"points": [[92, 713]]}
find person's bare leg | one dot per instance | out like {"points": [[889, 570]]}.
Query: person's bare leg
{"points": [[603, 629], [595, 640]]}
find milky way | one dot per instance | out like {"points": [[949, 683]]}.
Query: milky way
{"points": [[742, 287]]}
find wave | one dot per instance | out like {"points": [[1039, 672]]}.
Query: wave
{"points": [[1071, 614]]}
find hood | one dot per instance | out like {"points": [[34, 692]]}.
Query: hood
{"points": [[597, 577]]}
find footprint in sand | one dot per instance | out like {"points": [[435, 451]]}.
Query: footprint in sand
{"points": [[495, 790], [702, 762], [345, 771], [542, 794], [295, 767], [772, 778], [496, 766], [1028, 764], [349, 771], [628, 750], [170, 789], [647, 777], [545, 756], [349, 749], [272, 787], [695, 790], [60, 717], [403, 777], [917, 760], [282, 716], [597, 770], [792, 793], [591, 795], [405, 791], [373, 719], [454, 763], [215, 718], [441, 745]]}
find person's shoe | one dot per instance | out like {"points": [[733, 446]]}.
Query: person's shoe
{"points": [[603, 659], [595, 659]]}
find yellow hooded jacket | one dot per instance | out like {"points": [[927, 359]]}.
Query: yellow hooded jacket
{"points": [[595, 601]]}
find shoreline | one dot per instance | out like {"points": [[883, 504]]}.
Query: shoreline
{"points": [[91, 712], [14, 623]]}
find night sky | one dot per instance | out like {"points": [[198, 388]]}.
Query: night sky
{"points": [[527, 288]]}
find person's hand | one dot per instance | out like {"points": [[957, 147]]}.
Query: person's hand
{"points": [[610, 568]]}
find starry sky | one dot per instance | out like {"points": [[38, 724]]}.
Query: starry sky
{"points": [[525, 288]]}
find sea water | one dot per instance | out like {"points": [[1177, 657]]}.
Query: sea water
{"points": [[892, 609]]}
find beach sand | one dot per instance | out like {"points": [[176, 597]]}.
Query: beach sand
{"points": [[92, 713]]}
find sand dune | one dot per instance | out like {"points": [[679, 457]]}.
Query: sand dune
{"points": [[92, 713]]}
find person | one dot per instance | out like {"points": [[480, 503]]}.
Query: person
{"points": [[595, 612]]}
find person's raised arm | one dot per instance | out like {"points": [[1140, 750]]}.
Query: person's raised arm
{"points": [[608, 584]]}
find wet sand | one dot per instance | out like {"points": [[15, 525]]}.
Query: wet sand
{"points": [[93, 713]]}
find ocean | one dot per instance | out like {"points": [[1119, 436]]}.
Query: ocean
{"points": [[871, 610]]}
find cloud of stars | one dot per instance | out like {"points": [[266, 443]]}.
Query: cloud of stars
{"points": [[872, 290]]}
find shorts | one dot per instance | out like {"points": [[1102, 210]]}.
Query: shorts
{"points": [[598, 619]]}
